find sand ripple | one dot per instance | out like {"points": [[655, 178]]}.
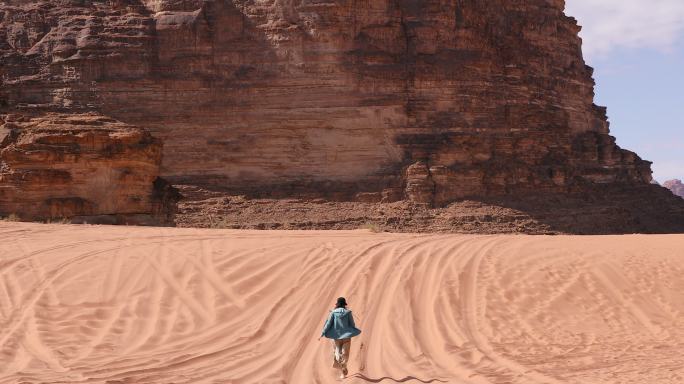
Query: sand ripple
{"points": [[113, 305]]}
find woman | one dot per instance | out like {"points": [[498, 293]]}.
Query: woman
{"points": [[340, 328]]}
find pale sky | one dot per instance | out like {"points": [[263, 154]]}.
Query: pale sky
{"points": [[637, 49]]}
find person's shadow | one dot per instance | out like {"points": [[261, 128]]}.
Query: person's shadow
{"points": [[393, 380]]}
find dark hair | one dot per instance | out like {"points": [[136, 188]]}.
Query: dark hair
{"points": [[341, 302]]}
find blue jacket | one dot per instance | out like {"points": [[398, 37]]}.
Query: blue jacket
{"points": [[340, 325]]}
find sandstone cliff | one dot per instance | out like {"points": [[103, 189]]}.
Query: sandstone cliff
{"points": [[81, 167], [430, 101], [675, 186]]}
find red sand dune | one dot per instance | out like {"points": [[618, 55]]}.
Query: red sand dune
{"points": [[87, 304]]}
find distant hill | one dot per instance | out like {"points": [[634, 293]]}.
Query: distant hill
{"points": [[675, 186]]}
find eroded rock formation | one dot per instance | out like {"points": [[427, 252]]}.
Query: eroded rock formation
{"points": [[81, 167], [426, 100], [675, 186]]}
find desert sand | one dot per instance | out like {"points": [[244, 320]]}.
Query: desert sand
{"points": [[97, 304]]}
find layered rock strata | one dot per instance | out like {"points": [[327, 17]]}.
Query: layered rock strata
{"points": [[81, 167], [429, 101]]}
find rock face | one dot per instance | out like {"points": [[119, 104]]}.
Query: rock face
{"points": [[426, 100], [82, 167], [675, 186]]}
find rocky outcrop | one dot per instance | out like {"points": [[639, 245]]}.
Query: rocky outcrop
{"points": [[420, 187], [608, 209], [82, 167], [431, 101], [675, 186]]}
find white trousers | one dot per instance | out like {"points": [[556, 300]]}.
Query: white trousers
{"points": [[341, 353]]}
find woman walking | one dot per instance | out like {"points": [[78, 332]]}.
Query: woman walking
{"points": [[340, 328]]}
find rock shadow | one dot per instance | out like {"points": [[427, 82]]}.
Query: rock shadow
{"points": [[599, 210]]}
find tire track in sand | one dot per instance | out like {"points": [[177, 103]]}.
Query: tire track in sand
{"points": [[472, 302], [425, 310]]}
